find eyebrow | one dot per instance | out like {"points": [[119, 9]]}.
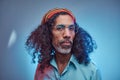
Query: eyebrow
{"points": [[65, 25]]}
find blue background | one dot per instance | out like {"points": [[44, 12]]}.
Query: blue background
{"points": [[101, 18]]}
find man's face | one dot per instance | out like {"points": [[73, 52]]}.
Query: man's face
{"points": [[63, 34]]}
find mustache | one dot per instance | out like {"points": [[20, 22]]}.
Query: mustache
{"points": [[66, 40]]}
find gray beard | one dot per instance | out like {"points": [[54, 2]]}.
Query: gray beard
{"points": [[62, 50]]}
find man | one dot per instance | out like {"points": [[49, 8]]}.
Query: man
{"points": [[62, 48]]}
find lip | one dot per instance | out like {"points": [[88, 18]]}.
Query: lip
{"points": [[66, 43]]}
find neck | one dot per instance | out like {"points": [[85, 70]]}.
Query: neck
{"points": [[62, 61], [62, 58]]}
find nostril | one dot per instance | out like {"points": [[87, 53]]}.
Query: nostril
{"points": [[66, 37], [67, 32]]}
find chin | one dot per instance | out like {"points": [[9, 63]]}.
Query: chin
{"points": [[63, 51]]}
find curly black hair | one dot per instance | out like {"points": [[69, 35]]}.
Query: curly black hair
{"points": [[40, 41]]}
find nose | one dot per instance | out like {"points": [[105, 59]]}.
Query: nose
{"points": [[66, 33]]}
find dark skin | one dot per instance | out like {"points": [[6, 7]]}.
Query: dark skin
{"points": [[63, 51], [62, 61]]}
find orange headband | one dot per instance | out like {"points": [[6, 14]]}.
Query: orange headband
{"points": [[52, 12]]}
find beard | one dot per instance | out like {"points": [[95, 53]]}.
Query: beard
{"points": [[63, 49]]}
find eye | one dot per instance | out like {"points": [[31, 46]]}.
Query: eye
{"points": [[60, 27], [72, 27]]}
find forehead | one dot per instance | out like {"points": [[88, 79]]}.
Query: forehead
{"points": [[64, 19]]}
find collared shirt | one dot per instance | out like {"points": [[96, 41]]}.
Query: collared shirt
{"points": [[73, 71]]}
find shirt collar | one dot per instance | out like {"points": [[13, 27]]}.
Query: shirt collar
{"points": [[73, 61], [53, 63]]}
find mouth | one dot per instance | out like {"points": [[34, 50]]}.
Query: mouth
{"points": [[66, 43]]}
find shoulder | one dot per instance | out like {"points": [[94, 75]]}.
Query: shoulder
{"points": [[37, 72], [92, 65], [42, 74], [90, 71], [90, 68], [95, 72], [39, 68]]}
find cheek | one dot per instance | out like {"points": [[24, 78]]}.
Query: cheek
{"points": [[73, 36], [55, 39]]}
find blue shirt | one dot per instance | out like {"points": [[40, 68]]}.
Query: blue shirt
{"points": [[73, 71]]}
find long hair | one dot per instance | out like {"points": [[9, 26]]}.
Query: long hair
{"points": [[40, 41]]}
